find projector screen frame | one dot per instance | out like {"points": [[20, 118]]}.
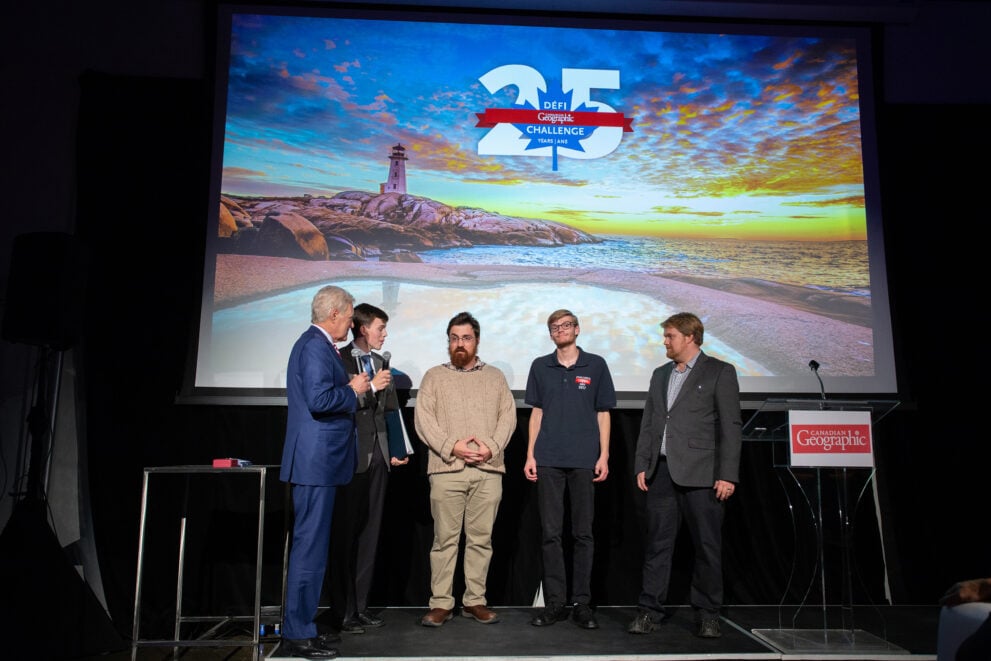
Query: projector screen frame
{"points": [[881, 319]]}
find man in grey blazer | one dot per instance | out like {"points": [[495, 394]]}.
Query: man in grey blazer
{"points": [[687, 461]]}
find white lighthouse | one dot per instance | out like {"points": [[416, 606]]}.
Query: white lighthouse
{"points": [[396, 183]]}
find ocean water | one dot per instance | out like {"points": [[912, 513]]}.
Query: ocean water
{"points": [[250, 342], [834, 266]]}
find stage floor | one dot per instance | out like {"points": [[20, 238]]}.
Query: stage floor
{"points": [[888, 633]]}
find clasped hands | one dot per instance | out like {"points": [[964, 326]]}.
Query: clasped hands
{"points": [[471, 451]]}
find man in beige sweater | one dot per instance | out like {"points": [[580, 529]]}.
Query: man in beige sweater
{"points": [[465, 414]]}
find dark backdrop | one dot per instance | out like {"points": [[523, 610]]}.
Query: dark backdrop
{"points": [[141, 215]]}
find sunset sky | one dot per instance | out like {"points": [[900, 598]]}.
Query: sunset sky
{"points": [[750, 137]]}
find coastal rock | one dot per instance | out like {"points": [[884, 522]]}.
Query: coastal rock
{"points": [[287, 234], [355, 225], [240, 218], [226, 227], [401, 256]]}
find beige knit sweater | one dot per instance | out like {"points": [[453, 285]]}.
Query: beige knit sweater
{"points": [[451, 405]]}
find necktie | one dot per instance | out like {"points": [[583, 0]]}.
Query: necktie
{"points": [[336, 350], [366, 361]]}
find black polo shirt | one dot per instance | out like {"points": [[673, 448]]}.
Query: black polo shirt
{"points": [[570, 398]]}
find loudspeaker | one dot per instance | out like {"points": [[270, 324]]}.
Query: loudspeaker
{"points": [[45, 290]]}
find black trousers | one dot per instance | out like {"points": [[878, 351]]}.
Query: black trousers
{"points": [[552, 483], [355, 538], [668, 506]]}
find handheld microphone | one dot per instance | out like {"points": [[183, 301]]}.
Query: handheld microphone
{"points": [[356, 353], [814, 366], [386, 357]]}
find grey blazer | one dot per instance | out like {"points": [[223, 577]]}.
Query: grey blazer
{"points": [[703, 426]]}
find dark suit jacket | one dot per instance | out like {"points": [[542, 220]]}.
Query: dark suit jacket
{"points": [[703, 426], [370, 416], [320, 432]]}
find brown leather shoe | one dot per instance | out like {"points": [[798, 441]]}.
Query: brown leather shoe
{"points": [[481, 613], [436, 617]]}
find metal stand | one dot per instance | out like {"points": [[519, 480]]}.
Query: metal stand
{"points": [[770, 424], [177, 641]]}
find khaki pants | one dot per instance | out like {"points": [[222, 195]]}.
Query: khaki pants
{"points": [[468, 498]]}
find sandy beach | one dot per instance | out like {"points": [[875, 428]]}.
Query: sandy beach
{"points": [[777, 322]]}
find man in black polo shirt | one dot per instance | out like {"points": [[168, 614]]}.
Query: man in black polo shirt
{"points": [[571, 392]]}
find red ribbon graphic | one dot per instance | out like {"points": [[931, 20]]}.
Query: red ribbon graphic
{"points": [[493, 116]]}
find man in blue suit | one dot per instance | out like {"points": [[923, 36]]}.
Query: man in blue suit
{"points": [[688, 463], [318, 456]]}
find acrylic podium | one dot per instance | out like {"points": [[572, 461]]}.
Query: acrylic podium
{"points": [[194, 484], [821, 499]]}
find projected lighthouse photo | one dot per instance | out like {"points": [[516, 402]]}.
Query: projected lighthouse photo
{"points": [[397, 172], [426, 185]]}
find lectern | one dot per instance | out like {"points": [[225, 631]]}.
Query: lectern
{"points": [[815, 443]]}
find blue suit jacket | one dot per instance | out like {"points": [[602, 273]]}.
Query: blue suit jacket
{"points": [[320, 447], [704, 432]]}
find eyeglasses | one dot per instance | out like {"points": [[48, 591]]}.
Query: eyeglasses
{"points": [[463, 339], [564, 325]]}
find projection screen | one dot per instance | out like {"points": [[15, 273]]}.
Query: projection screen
{"points": [[513, 164]]}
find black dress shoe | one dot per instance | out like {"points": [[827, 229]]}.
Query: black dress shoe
{"points": [[306, 648], [584, 616], [328, 639], [367, 620], [553, 613], [642, 623], [352, 626]]}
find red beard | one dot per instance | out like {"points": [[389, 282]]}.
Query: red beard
{"points": [[461, 357]]}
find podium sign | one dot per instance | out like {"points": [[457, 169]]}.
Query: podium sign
{"points": [[830, 438], [828, 441]]}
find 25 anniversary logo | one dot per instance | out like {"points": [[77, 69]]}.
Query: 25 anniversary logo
{"points": [[543, 122]]}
